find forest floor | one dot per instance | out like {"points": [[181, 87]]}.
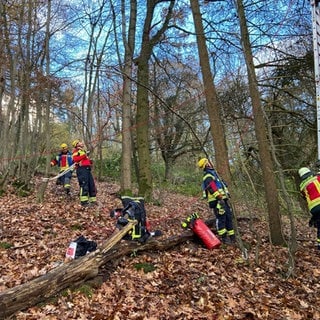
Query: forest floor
{"points": [[187, 282]]}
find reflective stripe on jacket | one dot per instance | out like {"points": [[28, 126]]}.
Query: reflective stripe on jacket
{"points": [[211, 187], [310, 189], [80, 157], [63, 160]]}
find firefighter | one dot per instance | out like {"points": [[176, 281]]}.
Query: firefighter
{"points": [[310, 190], [134, 209], [216, 192], [87, 186], [64, 161]]}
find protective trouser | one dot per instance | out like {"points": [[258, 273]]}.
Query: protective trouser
{"points": [[65, 180], [87, 186], [224, 219], [315, 212]]}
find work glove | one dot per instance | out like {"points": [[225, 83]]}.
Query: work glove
{"points": [[221, 206], [221, 203], [122, 221], [194, 216], [189, 220], [219, 196]]}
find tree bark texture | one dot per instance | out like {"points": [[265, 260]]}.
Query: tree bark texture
{"points": [[270, 184], [142, 117], [58, 279], [213, 107], [78, 271], [129, 44]]}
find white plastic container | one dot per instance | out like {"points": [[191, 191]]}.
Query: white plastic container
{"points": [[71, 251]]}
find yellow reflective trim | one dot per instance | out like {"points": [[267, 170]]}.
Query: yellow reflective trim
{"points": [[222, 231]]}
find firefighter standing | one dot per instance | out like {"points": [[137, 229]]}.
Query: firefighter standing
{"points": [[83, 166], [64, 161], [310, 190], [216, 192]]}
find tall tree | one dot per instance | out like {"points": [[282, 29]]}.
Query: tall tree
{"points": [[129, 45], [149, 39], [269, 179], [98, 40], [212, 102], [176, 87]]}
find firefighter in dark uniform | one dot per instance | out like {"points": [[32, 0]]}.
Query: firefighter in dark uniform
{"points": [[310, 190], [216, 192], [88, 190], [64, 161]]}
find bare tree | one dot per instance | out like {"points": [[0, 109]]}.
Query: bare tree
{"points": [[175, 111], [212, 102], [269, 179], [129, 45], [149, 40]]}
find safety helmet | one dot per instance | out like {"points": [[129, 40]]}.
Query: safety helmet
{"points": [[64, 146], [303, 171], [75, 142], [202, 163]]}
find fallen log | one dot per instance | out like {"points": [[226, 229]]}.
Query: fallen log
{"points": [[56, 280], [78, 271]]}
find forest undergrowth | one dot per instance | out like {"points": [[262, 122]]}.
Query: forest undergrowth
{"points": [[186, 282]]}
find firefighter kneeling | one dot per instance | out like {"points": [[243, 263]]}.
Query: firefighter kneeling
{"points": [[198, 226], [133, 209]]}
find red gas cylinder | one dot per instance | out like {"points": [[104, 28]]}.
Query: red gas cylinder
{"points": [[209, 239]]}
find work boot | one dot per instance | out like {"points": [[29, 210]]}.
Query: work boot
{"points": [[145, 237], [85, 204], [93, 203], [225, 240], [233, 238]]}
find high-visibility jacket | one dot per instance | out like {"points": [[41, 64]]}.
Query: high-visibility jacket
{"points": [[310, 189], [62, 160], [212, 186], [80, 158]]}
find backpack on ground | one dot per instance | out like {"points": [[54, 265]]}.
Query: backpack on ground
{"points": [[80, 247]]}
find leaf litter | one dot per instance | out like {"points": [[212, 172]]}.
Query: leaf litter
{"points": [[187, 282]]}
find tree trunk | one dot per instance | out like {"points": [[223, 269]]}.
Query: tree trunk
{"points": [[78, 271], [142, 120], [142, 117], [129, 44], [269, 179], [214, 110], [47, 60], [58, 279]]}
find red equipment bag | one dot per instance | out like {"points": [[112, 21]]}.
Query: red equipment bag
{"points": [[210, 240]]}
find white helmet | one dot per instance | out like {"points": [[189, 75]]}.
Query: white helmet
{"points": [[303, 171]]}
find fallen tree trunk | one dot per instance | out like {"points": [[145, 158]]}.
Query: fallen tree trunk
{"points": [[78, 271], [74, 272]]}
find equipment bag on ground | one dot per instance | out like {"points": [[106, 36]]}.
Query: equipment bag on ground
{"points": [[80, 247]]}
